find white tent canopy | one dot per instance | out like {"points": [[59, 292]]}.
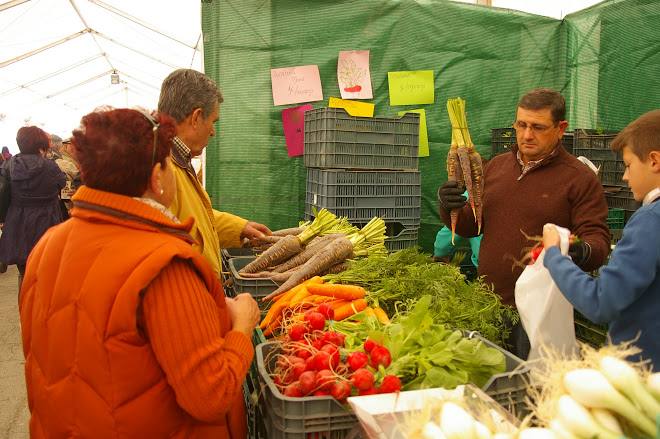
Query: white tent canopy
{"points": [[58, 57]]}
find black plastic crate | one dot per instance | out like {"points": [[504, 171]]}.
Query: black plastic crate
{"points": [[503, 139], [616, 218], [334, 188], [622, 199], [333, 139], [405, 239], [589, 332], [596, 146]]}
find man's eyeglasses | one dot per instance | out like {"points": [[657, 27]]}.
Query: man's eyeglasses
{"points": [[536, 128]]}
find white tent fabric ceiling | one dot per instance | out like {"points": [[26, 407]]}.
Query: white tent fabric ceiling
{"points": [[57, 57]]}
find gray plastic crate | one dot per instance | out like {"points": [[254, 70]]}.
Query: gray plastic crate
{"points": [[251, 393], [408, 217], [405, 239], [509, 388], [333, 139], [293, 418], [258, 288]]}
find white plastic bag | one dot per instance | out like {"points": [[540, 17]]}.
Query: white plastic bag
{"points": [[544, 312]]}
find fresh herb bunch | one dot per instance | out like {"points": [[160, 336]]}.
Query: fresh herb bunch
{"points": [[396, 282]]}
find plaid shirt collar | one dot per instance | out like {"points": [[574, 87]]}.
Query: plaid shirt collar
{"points": [[181, 155], [532, 164]]}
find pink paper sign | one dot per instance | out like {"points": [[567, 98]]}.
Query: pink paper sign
{"points": [[292, 85], [293, 122], [353, 74]]}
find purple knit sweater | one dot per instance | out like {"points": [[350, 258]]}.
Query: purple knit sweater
{"points": [[562, 191]]}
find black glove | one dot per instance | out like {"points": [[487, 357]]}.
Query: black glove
{"points": [[451, 196], [580, 252]]}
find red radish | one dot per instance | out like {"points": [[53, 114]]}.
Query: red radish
{"points": [[327, 311], [322, 360], [334, 338], [307, 382], [535, 252], [380, 356], [297, 369], [357, 360], [310, 364], [297, 332], [318, 344], [371, 391], [321, 393], [293, 391], [390, 384], [315, 320], [324, 380], [362, 379], [302, 353], [329, 348], [369, 344], [340, 391]]}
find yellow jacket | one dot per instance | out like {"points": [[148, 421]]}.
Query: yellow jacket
{"points": [[212, 229]]}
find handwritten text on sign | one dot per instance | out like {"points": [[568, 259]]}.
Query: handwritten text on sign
{"points": [[411, 88], [292, 85]]}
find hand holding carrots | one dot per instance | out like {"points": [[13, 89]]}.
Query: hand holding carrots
{"points": [[243, 312]]}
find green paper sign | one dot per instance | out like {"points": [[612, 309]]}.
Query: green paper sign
{"points": [[411, 88], [423, 134]]}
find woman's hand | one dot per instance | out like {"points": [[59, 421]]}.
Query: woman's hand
{"points": [[244, 313]]}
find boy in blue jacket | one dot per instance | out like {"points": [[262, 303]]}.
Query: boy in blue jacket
{"points": [[626, 294]]}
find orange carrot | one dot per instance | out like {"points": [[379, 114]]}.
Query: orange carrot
{"points": [[350, 309], [313, 280], [369, 311], [272, 326], [299, 296], [338, 291], [381, 315], [276, 308], [335, 304]]}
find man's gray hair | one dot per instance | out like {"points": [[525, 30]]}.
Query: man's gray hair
{"points": [[184, 90], [55, 140]]}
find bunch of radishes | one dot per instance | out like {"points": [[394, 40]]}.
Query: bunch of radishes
{"points": [[313, 362]]}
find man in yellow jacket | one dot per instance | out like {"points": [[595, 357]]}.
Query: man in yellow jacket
{"points": [[193, 100]]}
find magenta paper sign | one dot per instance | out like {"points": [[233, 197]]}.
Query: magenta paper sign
{"points": [[292, 85], [353, 74], [293, 122]]}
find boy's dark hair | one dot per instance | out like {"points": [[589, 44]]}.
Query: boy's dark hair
{"points": [[642, 135], [542, 98]]}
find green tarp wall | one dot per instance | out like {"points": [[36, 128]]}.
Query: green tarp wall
{"points": [[604, 59]]}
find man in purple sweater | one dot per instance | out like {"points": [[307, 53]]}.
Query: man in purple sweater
{"points": [[537, 183]]}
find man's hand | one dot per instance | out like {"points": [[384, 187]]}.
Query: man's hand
{"points": [[255, 231], [451, 196], [243, 312]]}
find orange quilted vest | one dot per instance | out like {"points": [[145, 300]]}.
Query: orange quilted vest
{"points": [[89, 372]]}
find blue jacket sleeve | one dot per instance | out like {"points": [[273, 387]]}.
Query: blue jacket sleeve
{"points": [[630, 272]]}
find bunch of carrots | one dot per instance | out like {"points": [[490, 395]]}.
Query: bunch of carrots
{"points": [[334, 301], [464, 162], [321, 248]]}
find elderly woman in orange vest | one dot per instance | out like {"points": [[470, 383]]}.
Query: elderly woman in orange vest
{"points": [[126, 330]]}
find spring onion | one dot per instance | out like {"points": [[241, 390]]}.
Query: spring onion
{"points": [[456, 423], [626, 380], [579, 421]]}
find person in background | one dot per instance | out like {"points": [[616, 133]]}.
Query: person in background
{"points": [[626, 293], [193, 100], [6, 155], [538, 182], [34, 207], [53, 152], [126, 330], [69, 165]]}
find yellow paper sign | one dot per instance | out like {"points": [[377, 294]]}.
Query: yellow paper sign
{"points": [[411, 88], [354, 108], [423, 134]]}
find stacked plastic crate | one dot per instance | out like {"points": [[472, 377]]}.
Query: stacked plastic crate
{"points": [[361, 167], [596, 146], [503, 139]]}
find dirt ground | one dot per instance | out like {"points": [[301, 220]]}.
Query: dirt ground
{"points": [[14, 414]]}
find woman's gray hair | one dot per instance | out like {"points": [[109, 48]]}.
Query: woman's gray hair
{"points": [[184, 90]]}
